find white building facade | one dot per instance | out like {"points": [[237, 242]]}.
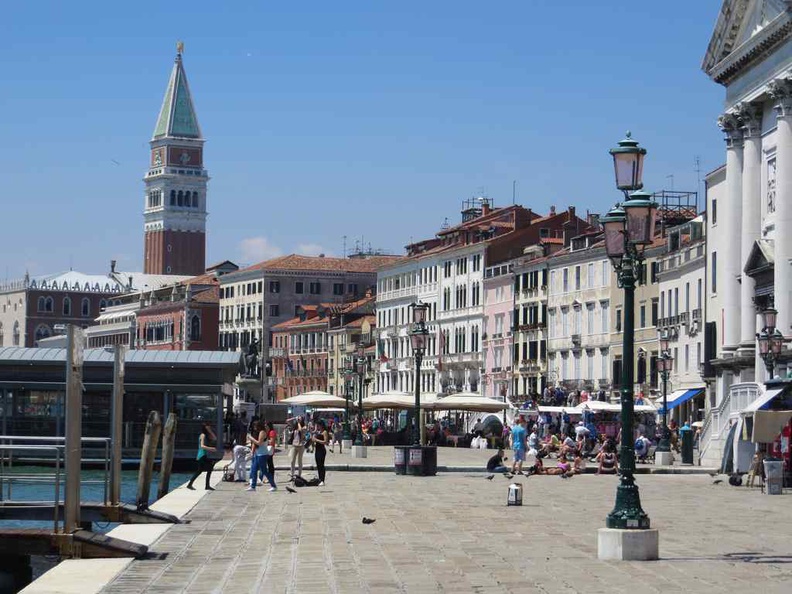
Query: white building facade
{"points": [[749, 227], [578, 320], [681, 273]]}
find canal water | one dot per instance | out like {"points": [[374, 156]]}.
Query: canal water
{"points": [[42, 488], [91, 489]]}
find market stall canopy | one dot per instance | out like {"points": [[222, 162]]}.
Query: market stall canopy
{"points": [[763, 402], [398, 400], [768, 424], [678, 397], [470, 401], [598, 406], [559, 409], [317, 399]]}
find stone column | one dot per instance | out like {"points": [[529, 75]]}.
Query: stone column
{"points": [[730, 217], [781, 92], [750, 115]]}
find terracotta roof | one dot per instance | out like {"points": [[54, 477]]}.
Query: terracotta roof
{"points": [[322, 264], [553, 240], [210, 278], [207, 296], [359, 322], [296, 321]]}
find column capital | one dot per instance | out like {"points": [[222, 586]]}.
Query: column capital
{"points": [[732, 129], [750, 116], [780, 90]]}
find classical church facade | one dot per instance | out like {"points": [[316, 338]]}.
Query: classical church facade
{"points": [[176, 182], [749, 214]]}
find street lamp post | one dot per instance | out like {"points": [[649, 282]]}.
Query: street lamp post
{"points": [[629, 228], [770, 339], [665, 364], [418, 336], [346, 372], [360, 365]]}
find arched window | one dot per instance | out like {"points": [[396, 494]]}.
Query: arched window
{"points": [[195, 328], [67, 306], [42, 331], [195, 199], [85, 308], [173, 198], [41, 303], [180, 199], [102, 304], [49, 304], [15, 337]]}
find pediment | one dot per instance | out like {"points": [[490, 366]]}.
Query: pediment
{"points": [[761, 258], [740, 22]]}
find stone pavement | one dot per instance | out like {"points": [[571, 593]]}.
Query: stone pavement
{"points": [[454, 533]]}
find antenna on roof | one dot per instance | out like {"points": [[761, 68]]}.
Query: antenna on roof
{"points": [[344, 237], [514, 192]]}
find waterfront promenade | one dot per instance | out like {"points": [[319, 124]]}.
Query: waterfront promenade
{"points": [[454, 533]]}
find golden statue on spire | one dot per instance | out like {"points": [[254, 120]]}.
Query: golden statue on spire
{"points": [[179, 47]]}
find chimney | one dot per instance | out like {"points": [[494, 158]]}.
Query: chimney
{"points": [[570, 213], [485, 207], [552, 210], [130, 283], [112, 266]]}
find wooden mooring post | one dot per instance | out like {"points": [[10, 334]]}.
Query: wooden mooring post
{"points": [[73, 450], [168, 445], [117, 427], [147, 455]]}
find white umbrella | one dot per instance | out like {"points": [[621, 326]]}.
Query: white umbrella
{"points": [[317, 399], [470, 401], [597, 406], [398, 400]]}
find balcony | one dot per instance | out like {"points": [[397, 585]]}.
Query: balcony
{"points": [[576, 339], [697, 315]]}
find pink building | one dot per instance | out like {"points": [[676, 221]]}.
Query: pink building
{"points": [[497, 337]]}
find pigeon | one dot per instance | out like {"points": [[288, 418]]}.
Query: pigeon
{"points": [[369, 520], [717, 481], [290, 490], [564, 476], [490, 477], [713, 474]]}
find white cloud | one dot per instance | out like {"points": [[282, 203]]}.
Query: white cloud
{"points": [[256, 249], [312, 249]]}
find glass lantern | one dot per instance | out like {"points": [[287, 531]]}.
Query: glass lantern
{"points": [[628, 164], [613, 224], [640, 211]]}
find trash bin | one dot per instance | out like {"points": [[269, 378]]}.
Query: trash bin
{"points": [[687, 446], [774, 476], [400, 459], [422, 460], [515, 494]]}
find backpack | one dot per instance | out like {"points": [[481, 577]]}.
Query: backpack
{"points": [[300, 482]]}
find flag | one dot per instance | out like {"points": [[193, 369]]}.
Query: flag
{"points": [[440, 347], [383, 358]]}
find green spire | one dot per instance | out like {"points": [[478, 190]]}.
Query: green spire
{"points": [[177, 115]]}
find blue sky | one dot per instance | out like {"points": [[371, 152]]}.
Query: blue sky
{"points": [[369, 119]]}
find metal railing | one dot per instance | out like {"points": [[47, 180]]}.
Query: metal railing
{"points": [[8, 479], [57, 480]]}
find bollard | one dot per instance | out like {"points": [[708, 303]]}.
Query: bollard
{"points": [[168, 445], [147, 455]]}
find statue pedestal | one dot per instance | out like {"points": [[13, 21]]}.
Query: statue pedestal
{"points": [[359, 451], [628, 545], [346, 444]]}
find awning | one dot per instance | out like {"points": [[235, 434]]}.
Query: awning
{"points": [[763, 402], [768, 424], [678, 397]]}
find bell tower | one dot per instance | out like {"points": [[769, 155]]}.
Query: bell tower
{"points": [[175, 200]]}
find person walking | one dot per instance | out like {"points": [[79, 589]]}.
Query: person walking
{"points": [[518, 445], [272, 437], [262, 450], [204, 463], [338, 435], [320, 439], [296, 442]]}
